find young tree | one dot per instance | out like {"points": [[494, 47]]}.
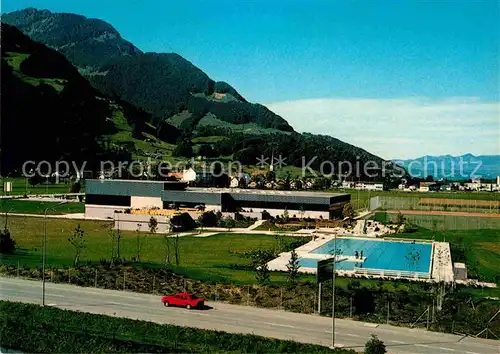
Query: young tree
{"points": [[166, 245], [112, 237], [262, 274], [302, 211], [230, 223], [285, 215], [400, 220], [78, 241], [375, 346], [176, 249], [118, 240], [293, 268], [434, 229], [153, 225]]}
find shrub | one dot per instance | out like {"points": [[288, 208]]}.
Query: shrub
{"points": [[75, 187], [375, 346], [7, 244]]}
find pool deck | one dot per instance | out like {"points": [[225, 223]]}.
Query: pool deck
{"points": [[440, 268]]}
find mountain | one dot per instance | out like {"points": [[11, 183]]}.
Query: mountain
{"points": [[50, 112], [178, 103], [163, 84], [453, 167], [88, 43]]}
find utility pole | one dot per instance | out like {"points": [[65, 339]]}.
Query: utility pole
{"points": [[333, 288], [44, 251], [319, 299]]}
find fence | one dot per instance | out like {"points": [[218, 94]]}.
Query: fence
{"points": [[434, 204], [392, 273], [444, 222]]}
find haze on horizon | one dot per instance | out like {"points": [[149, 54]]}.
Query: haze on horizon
{"points": [[400, 80]]}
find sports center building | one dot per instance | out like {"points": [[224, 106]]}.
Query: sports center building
{"points": [[104, 196]]}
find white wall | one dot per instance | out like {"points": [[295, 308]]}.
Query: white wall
{"points": [[102, 211], [189, 175], [214, 208], [133, 222], [279, 212], [146, 202]]}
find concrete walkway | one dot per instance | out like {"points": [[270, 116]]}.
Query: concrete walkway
{"points": [[256, 224]]}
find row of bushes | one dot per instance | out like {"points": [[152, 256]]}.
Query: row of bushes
{"points": [[406, 302], [37, 329]]}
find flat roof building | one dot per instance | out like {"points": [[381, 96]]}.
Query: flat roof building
{"points": [[107, 194]]}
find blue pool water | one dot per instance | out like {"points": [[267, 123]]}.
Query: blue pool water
{"points": [[387, 255]]}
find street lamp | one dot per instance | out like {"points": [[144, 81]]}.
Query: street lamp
{"points": [[336, 252], [44, 252]]}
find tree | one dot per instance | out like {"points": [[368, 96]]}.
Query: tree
{"points": [[112, 237], [153, 225], [208, 219], [206, 150], [434, 229], [166, 245], [78, 241], [183, 149], [348, 211], [400, 220], [293, 268], [118, 240], [285, 215], [262, 274], [302, 211], [176, 249], [375, 346], [230, 223], [7, 244]]}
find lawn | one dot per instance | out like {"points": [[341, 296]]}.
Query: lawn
{"points": [[205, 258], [444, 222], [17, 206]]}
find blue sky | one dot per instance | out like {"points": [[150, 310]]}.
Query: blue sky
{"points": [[372, 73]]}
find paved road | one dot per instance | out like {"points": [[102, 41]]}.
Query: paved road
{"points": [[243, 319]]}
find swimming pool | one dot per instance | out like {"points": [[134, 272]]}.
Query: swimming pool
{"points": [[386, 255]]}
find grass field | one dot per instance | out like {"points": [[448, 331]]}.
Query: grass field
{"points": [[360, 199], [17, 206], [20, 186], [211, 258], [445, 222]]}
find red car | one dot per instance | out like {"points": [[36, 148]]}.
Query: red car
{"points": [[186, 300]]}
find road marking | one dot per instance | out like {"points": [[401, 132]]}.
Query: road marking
{"points": [[472, 353], [373, 325], [349, 334], [448, 349], [421, 345], [397, 341], [51, 304], [278, 324]]}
